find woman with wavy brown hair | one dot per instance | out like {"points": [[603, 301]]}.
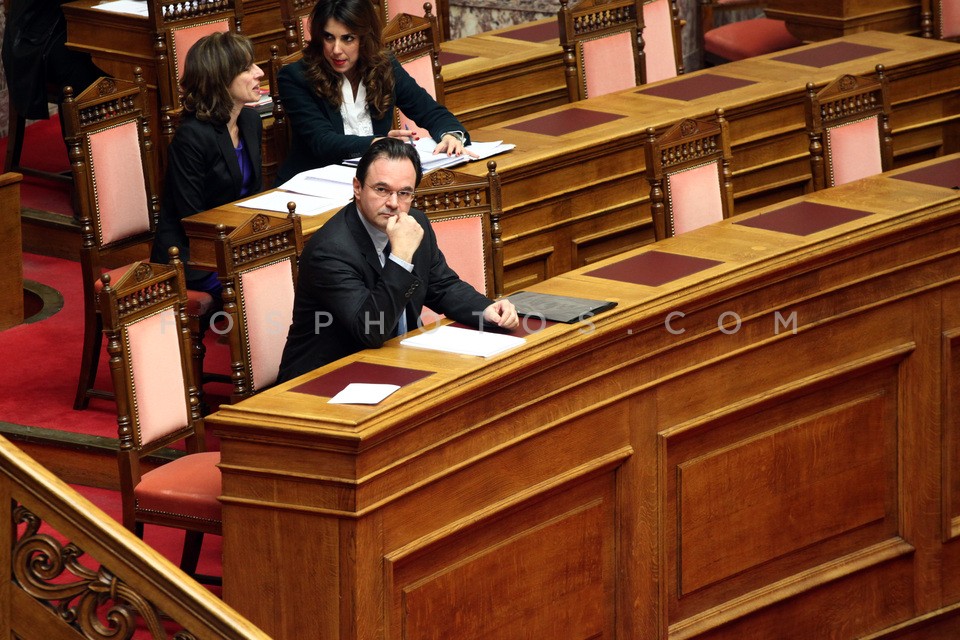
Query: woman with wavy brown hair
{"points": [[214, 157], [340, 97]]}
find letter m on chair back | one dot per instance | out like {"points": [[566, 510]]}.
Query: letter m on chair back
{"points": [[107, 135], [849, 129], [688, 168], [157, 405], [601, 51], [257, 263], [415, 43], [464, 212]]}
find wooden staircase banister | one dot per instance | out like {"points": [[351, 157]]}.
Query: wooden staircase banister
{"points": [[100, 562]]}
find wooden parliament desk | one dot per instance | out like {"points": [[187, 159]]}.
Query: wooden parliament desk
{"points": [[574, 189], [507, 73], [760, 441], [824, 19]]}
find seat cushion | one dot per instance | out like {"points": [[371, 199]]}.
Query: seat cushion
{"points": [[187, 487], [199, 303], [748, 38]]}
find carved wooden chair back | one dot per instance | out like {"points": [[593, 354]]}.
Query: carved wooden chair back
{"points": [[176, 27], [848, 123], [415, 43], [600, 42], [257, 263], [111, 157], [296, 23], [157, 405], [390, 9], [661, 46], [688, 168], [280, 134], [464, 211]]}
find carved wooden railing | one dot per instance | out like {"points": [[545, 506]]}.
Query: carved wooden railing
{"points": [[73, 572]]}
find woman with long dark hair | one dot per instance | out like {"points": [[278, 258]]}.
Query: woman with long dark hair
{"points": [[340, 97]]}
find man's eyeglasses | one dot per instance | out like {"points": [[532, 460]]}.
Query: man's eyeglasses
{"points": [[404, 195]]}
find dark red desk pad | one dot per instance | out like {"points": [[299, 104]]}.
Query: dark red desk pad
{"points": [[563, 122], [942, 174], [830, 54], [535, 33], [449, 57], [653, 268], [803, 218], [696, 87], [330, 384]]}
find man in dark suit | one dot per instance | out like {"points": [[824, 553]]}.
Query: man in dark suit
{"points": [[366, 274]]}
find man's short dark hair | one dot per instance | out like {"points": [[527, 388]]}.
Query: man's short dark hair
{"points": [[391, 149]]}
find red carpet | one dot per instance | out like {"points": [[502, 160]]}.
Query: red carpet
{"points": [[44, 149], [42, 361]]}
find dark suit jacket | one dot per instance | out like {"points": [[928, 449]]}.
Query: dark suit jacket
{"points": [[345, 302], [202, 173], [317, 126]]}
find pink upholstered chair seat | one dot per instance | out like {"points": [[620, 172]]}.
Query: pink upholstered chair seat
{"points": [[199, 303], [188, 486], [748, 38]]}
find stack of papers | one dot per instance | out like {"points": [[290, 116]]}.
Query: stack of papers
{"points": [[315, 191], [134, 7], [334, 182], [429, 160], [469, 342]]}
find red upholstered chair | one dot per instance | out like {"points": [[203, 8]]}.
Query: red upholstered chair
{"points": [[661, 48], [176, 27], [390, 9], [107, 136], [740, 39], [464, 211], [296, 22], [601, 50], [688, 167], [257, 264], [157, 405], [940, 19], [848, 123], [415, 44]]}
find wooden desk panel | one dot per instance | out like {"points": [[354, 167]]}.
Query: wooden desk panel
{"points": [[503, 77], [11, 256], [758, 466], [825, 19]]}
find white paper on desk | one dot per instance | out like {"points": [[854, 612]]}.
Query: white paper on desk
{"points": [[333, 181], [133, 7], [363, 393], [429, 161], [468, 342], [277, 201]]}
